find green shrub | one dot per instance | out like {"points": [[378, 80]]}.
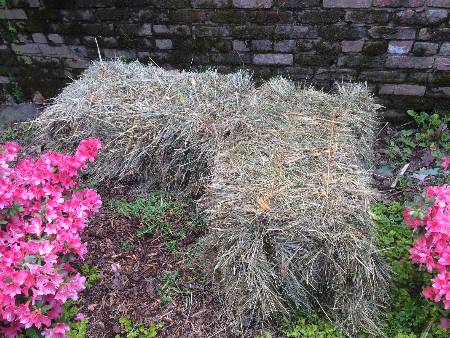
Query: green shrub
{"points": [[90, 272], [138, 330], [311, 328]]}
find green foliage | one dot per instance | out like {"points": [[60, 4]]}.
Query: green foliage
{"points": [[8, 135], [138, 330], [2, 3], [151, 212], [430, 133], [17, 92], [90, 272], [32, 332], [170, 286], [264, 335], [409, 314], [77, 328], [127, 245], [313, 327]]}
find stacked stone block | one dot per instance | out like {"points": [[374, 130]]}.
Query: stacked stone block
{"points": [[400, 47]]}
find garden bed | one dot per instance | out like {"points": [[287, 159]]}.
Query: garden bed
{"points": [[141, 265]]}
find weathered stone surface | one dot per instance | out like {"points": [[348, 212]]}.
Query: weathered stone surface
{"points": [[352, 46], [398, 3], [4, 80], [400, 33], [13, 14], [170, 29], [211, 3], [28, 48], [400, 61], [39, 38], [320, 17], [379, 16], [442, 63], [439, 92], [295, 32], [284, 46], [209, 31], [347, 3], [382, 76], [425, 48], [252, 3], [164, 44], [24, 3], [427, 17], [445, 49], [273, 59], [400, 47], [145, 30], [435, 34], [240, 46], [402, 89], [261, 45], [299, 3], [55, 38], [439, 3]]}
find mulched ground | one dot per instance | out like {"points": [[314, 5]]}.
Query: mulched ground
{"points": [[131, 280]]}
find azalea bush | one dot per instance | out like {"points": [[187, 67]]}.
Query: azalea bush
{"points": [[42, 213], [430, 216]]}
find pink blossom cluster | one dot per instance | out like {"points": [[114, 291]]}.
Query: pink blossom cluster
{"points": [[42, 213], [432, 249]]}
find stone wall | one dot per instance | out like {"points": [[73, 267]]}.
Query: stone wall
{"points": [[400, 47]]}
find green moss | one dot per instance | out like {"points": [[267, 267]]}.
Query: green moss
{"points": [[375, 48]]}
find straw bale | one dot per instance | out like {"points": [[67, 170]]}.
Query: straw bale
{"points": [[283, 173], [157, 126], [288, 204]]}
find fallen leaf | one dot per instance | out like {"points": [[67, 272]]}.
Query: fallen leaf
{"points": [[38, 99]]}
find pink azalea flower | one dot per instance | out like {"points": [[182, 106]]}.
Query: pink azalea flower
{"points": [[446, 162], [59, 331], [34, 281], [80, 316]]}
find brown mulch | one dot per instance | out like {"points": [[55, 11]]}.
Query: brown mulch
{"points": [[130, 280]]}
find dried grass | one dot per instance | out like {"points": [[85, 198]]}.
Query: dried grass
{"points": [[158, 127], [285, 172], [287, 203]]}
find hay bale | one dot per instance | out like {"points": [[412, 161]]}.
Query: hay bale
{"points": [[157, 126], [287, 204], [286, 173]]}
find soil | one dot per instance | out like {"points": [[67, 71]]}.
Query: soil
{"points": [[131, 279]]}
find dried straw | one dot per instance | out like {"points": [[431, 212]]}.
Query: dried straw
{"points": [[288, 207], [285, 172], [159, 127]]}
